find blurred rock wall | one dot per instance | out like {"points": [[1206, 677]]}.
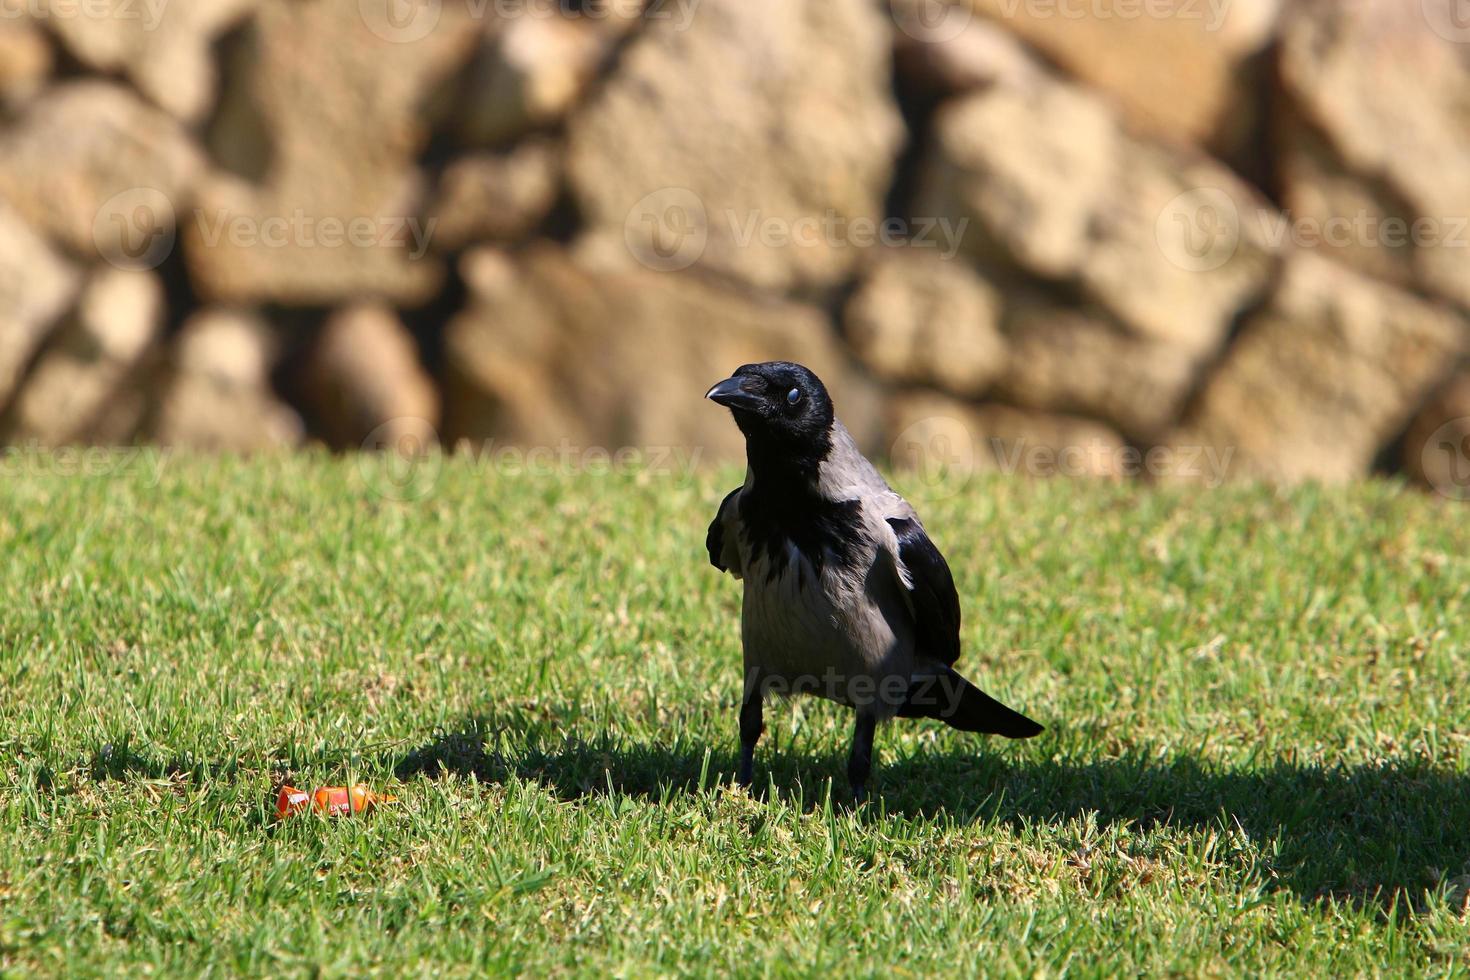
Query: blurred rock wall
{"points": [[1174, 239]]}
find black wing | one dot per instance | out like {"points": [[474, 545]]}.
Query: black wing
{"points": [[936, 603], [714, 541]]}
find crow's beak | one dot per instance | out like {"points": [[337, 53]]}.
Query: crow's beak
{"points": [[733, 393]]}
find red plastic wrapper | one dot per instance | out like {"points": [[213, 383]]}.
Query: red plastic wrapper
{"points": [[334, 801]]}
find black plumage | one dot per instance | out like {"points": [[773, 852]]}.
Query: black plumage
{"points": [[936, 602]]}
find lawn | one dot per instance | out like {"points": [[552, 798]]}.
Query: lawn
{"points": [[1257, 759]]}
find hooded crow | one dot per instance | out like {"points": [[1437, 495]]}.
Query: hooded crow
{"points": [[846, 597]]}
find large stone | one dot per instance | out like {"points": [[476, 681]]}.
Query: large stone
{"points": [[163, 47], [942, 440], [1174, 66], [1325, 375], [1081, 361], [1383, 135], [756, 143], [939, 54], [100, 171], [218, 397], [122, 424], [920, 318], [366, 381], [533, 67], [1436, 448], [1340, 214], [117, 320], [551, 354], [318, 201], [1179, 250], [25, 60], [1169, 243], [36, 287], [1032, 193], [495, 197]]}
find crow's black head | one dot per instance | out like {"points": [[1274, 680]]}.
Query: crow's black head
{"points": [[784, 411]]}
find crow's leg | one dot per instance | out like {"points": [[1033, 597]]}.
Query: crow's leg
{"points": [[751, 724], [860, 762]]}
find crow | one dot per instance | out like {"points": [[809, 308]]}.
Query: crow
{"points": [[846, 597]]}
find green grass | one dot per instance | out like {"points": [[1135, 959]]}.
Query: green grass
{"points": [[1257, 754]]}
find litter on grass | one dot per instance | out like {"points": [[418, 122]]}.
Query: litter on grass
{"points": [[334, 801]]}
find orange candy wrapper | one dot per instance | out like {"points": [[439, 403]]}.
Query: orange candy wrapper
{"points": [[334, 801]]}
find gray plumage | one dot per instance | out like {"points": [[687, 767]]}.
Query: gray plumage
{"points": [[845, 619], [846, 598]]}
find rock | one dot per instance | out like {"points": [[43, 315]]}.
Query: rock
{"points": [[246, 247], [777, 133], [36, 287], [943, 440], [318, 199], [1339, 214], [1382, 84], [1081, 361], [1436, 448], [1173, 66], [493, 197], [164, 48], [1179, 251], [545, 356], [939, 56], [218, 396], [232, 348], [100, 171], [1032, 193], [530, 73], [919, 318], [25, 61], [123, 421], [1169, 243], [366, 380], [119, 316], [1323, 377]]}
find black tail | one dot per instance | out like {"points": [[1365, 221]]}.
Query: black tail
{"points": [[953, 700]]}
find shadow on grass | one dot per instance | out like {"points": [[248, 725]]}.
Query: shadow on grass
{"points": [[1364, 833], [121, 760]]}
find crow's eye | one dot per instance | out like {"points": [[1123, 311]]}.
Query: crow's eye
{"points": [[793, 396]]}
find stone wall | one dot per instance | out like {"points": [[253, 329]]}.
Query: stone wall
{"points": [[1179, 239]]}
